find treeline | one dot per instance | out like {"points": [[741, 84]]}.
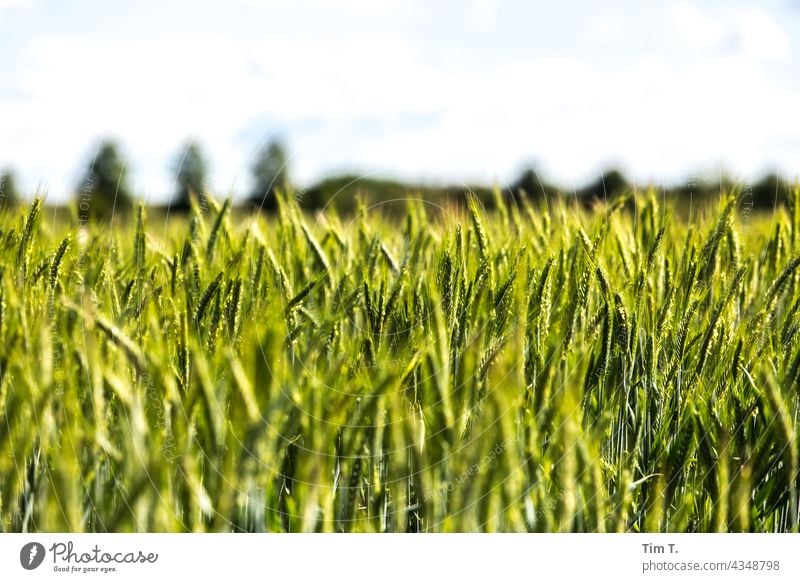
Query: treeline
{"points": [[105, 188]]}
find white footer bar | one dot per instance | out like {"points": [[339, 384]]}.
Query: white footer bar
{"points": [[354, 557]]}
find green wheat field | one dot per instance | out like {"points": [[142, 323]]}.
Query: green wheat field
{"points": [[533, 367]]}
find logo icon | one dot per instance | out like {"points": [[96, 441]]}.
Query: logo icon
{"points": [[31, 555]]}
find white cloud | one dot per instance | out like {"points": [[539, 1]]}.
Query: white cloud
{"points": [[378, 101], [606, 27], [11, 4], [696, 28], [482, 15], [751, 31], [761, 37], [351, 7]]}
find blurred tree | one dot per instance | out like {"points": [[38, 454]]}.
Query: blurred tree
{"points": [[531, 184], [270, 172], [190, 176], [104, 189], [610, 184], [767, 192], [9, 195]]}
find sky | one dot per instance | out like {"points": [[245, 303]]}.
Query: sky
{"points": [[440, 92]]}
